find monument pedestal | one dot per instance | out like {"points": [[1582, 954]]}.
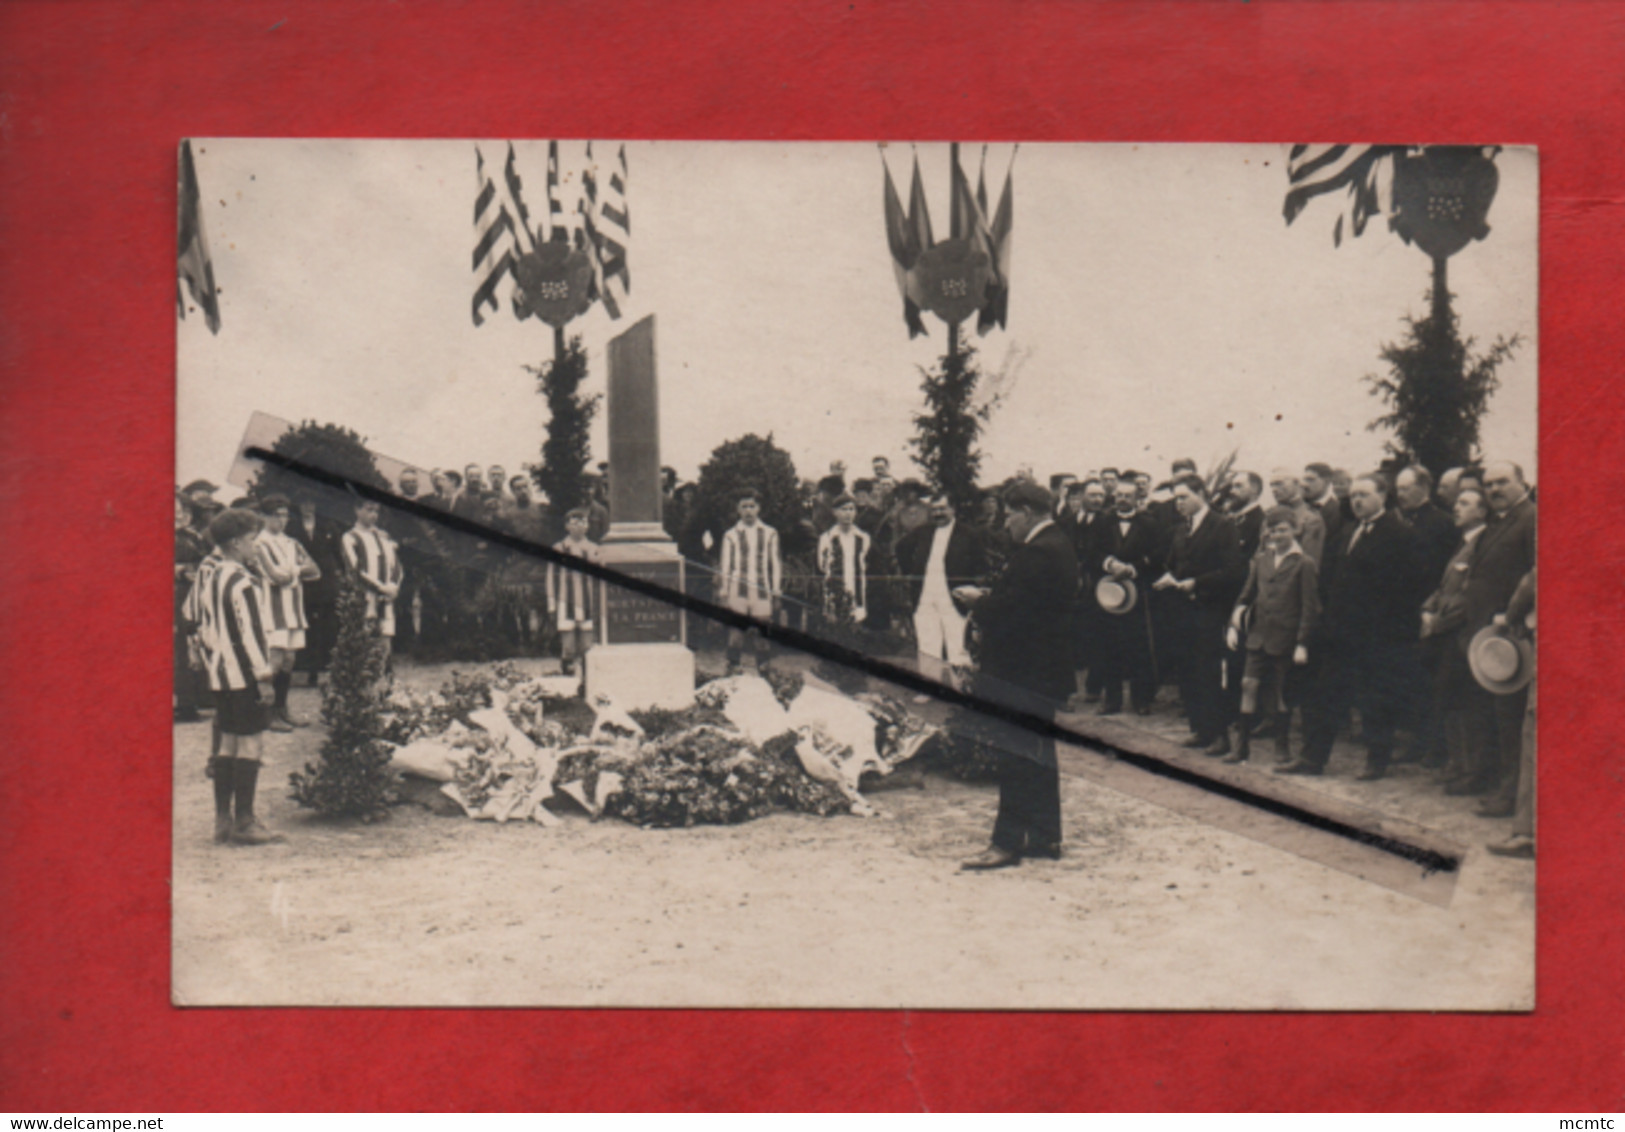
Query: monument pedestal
{"points": [[641, 659]]}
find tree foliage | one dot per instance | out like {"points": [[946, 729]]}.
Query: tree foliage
{"points": [[562, 474], [1436, 391], [330, 447], [751, 461], [351, 778], [946, 432]]}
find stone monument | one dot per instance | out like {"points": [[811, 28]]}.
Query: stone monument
{"points": [[641, 657]]}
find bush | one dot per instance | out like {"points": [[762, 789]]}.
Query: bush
{"points": [[331, 447], [751, 461], [352, 776]]}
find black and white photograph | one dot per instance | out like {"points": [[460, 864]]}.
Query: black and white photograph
{"points": [[939, 575]]}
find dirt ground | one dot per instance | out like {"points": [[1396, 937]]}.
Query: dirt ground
{"points": [[1147, 909]]}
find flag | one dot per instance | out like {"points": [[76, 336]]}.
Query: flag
{"points": [[919, 213], [997, 308], [981, 183], [500, 216], [556, 230], [1364, 170], [904, 251], [193, 267], [612, 236], [969, 222]]}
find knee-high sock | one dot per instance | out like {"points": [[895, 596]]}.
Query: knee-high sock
{"points": [[247, 776]]}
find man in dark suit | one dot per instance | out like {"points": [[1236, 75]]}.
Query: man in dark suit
{"points": [[1413, 488], [320, 537], [1460, 705], [1084, 523], [1505, 553], [1318, 493], [1373, 591], [1026, 665], [1413, 492], [935, 560], [1205, 572], [1130, 548], [1247, 510]]}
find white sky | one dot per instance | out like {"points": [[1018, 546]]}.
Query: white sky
{"points": [[1160, 303]]}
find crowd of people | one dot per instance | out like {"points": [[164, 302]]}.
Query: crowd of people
{"points": [[1310, 595]]}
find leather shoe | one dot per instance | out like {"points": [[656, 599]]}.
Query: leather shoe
{"points": [[1110, 709], [1236, 756], [1299, 767], [991, 858], [1496, 808], [1371, 773], [1197, 743], [280, 724], [1218, 748], [1050, 851], [252, 832], [1518, 845]]}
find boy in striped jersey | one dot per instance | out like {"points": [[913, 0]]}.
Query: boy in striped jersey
{"points": [[749, 575], [231, 628], [569, 594], [372, 558], [285, 567], [843, 559]]}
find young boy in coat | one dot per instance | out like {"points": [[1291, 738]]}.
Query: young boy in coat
{"points": [[1283, 596]]}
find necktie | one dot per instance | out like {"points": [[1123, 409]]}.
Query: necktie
{"points": [[1359, 533]]}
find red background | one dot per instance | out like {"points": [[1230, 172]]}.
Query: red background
{"points": [[93, 98]]}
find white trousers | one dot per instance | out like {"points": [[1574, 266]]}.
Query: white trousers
{"points": [[939, 630]]}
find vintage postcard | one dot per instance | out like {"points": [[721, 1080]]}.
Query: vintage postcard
{"points": [[938, 575]]}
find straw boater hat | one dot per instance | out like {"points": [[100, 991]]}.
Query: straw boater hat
{"points": [[1501, 663], [1117, 595]]}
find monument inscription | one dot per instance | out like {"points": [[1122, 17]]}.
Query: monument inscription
{"points": [[634, 618]]}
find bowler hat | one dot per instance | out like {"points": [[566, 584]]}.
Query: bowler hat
{"points": [[1501, 663], [1117, 595]]}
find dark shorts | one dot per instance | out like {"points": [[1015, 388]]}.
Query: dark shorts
{"points": [[241, 711]]}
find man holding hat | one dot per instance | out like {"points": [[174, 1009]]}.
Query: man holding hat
{"points": [[1026, 666], [1506, 552], [1130, 543]]}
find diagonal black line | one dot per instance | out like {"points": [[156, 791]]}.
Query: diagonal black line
{"points": [[1429, 859]]}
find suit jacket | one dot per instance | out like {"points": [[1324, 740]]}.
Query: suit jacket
{"points": [[1141, 548], [1373, 592], [1313, 535], [1212, 556], [1285, 601], [1439, 539], [1448, 603], [1250, 530], [322, 544], [1088, 537], [1331, 513], [965, 561], [1026, 619], [1504, 554]]}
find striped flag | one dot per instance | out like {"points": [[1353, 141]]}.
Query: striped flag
{"points": [[904, 251], [612, 235], [193, 267], [556, 231], [502, 233], [1366, 171]]}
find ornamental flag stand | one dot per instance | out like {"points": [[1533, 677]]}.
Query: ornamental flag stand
{"points": [[966, 274], [557, 270]]}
